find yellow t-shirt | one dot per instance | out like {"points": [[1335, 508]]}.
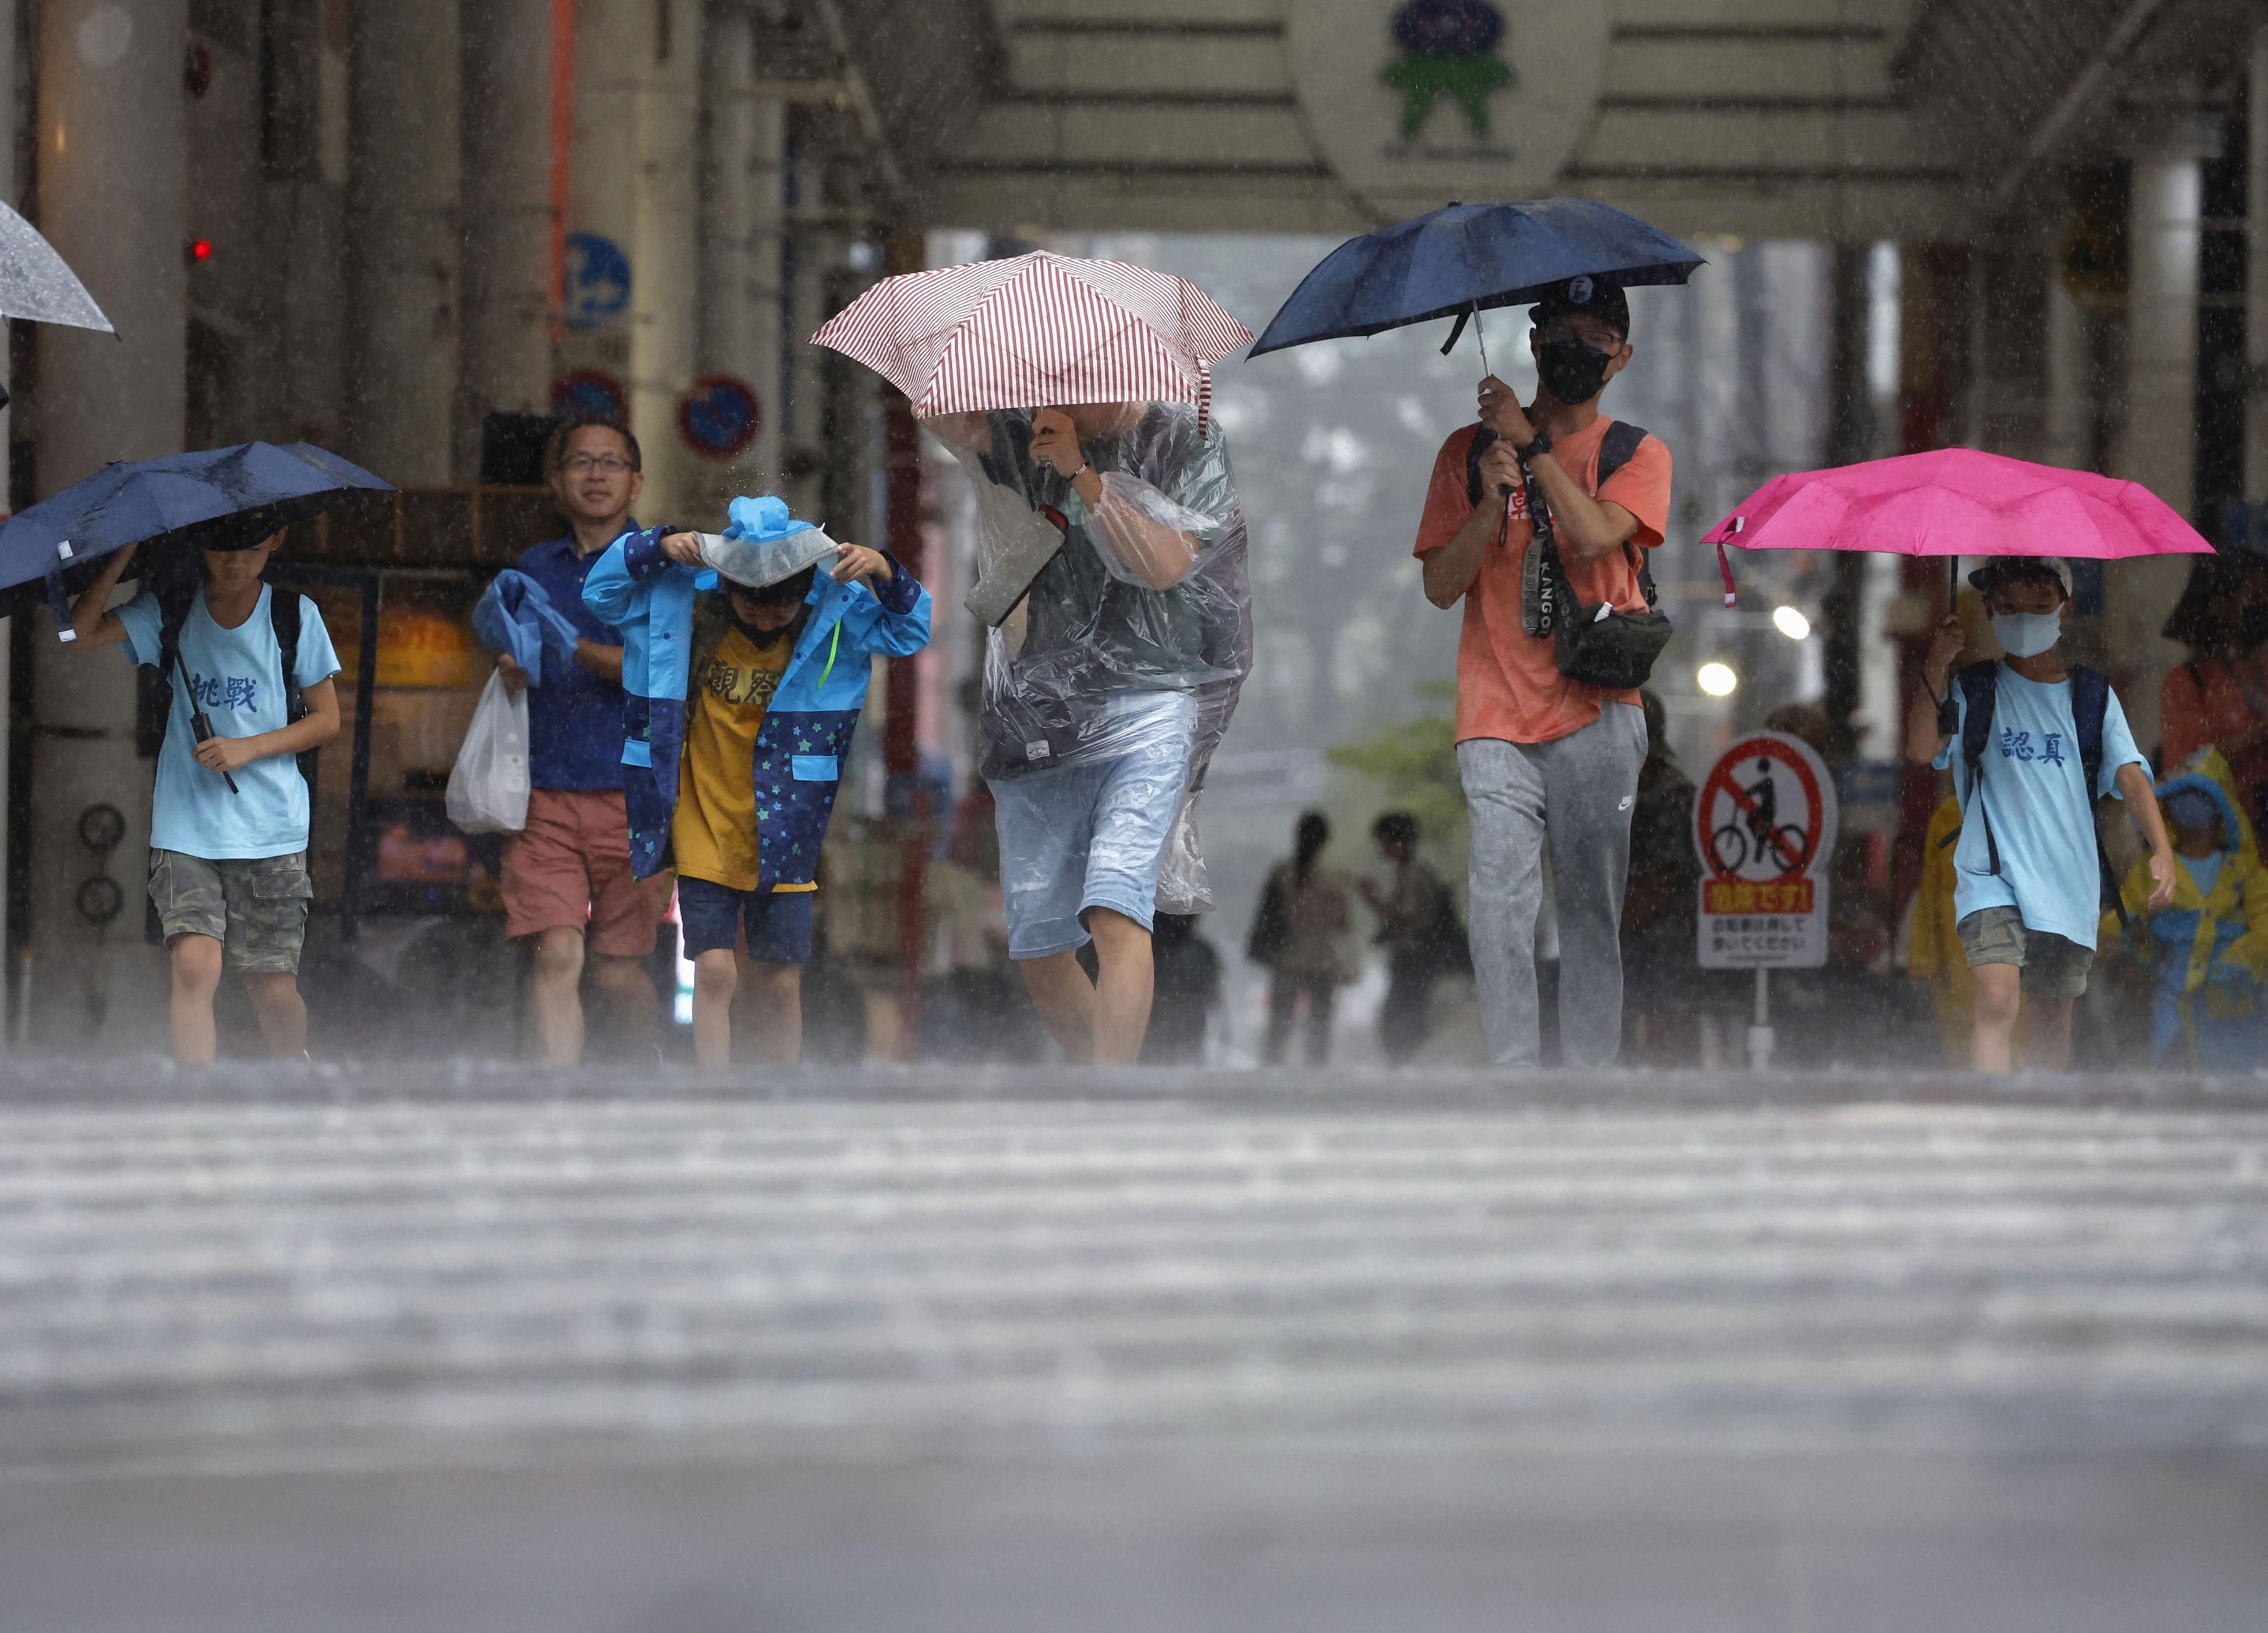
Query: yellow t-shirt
{"points": [[714, 830]]}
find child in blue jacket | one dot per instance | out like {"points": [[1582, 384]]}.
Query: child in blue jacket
{"points": [[2208, 947], [745, 669]]}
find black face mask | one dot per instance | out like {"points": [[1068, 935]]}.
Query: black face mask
{"points": [[766, 639], [1571, 370]]}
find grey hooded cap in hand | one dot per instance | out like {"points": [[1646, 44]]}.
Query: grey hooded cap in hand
{"points": [[764, 544]]}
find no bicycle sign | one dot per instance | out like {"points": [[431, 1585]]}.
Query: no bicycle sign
{"points": [[1764, 823]]}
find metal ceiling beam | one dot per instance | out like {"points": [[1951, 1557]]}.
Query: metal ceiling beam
{"points": [[2048, 135]]}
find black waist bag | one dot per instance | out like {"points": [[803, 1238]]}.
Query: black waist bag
{"points": [[1600, 646], [1592, 642]]}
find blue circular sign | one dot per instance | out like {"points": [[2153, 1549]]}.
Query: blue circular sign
{"points": [[598, 282], [719, 415], [586, 392]]}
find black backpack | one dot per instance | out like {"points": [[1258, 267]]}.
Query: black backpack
{"points": [[2090, 702], [175, 599]]}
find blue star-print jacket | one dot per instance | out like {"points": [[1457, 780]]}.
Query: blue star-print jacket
{"points": [[806, 732]]}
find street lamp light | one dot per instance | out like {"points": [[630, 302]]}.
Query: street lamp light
{"points": [[1791, 622], [1716, 680]]}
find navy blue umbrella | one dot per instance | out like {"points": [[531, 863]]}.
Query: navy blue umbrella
{"points": [[216, 498], [1466, 259]]}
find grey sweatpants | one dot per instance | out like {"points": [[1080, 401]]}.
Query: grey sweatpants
{"points": [[1575, 793]]}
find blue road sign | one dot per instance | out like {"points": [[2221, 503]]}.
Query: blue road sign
{"points": [[719, 415], [598, 280]]}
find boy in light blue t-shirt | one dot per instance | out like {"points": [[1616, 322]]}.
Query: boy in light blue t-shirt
{"points": [[2027, 889], [228, 868]]}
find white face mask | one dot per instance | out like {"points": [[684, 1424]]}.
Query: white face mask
{"points": [[2028, 635]]}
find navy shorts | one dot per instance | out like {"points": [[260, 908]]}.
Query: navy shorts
{"points": [[779, 922]]}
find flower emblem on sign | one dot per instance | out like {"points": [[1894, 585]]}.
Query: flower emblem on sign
{"points": [[1449, 50]]}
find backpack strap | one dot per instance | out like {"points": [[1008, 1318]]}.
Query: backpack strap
{"points": [[2090, 701], [176, 599], [2090, 705], [284, 617], [1617, 449], [1980, 687]]}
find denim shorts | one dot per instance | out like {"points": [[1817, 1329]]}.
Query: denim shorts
{"points": [[777, 922], [2054, 966], [1092, 832]]}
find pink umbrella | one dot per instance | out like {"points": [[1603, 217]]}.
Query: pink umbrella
{"points": [[1954, 503], [1038, 331]]}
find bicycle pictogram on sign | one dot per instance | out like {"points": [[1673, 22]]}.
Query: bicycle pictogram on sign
{"points": [[1764, 823], [1760, 813]]}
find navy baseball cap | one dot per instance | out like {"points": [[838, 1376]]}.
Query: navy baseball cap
{"points": [[1594, 297]]}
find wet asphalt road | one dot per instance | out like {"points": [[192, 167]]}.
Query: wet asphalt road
{"points": [[479, 1350]]}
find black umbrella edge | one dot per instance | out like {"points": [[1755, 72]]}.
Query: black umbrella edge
{"points": [[1657, 273]]}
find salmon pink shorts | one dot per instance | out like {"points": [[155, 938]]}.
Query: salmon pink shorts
{"points": [[570, 869]]}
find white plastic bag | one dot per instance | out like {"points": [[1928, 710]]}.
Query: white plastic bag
{"points": [[487, 786]]}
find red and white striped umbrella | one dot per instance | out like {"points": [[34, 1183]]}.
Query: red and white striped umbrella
{"points": [[1037, 331]]}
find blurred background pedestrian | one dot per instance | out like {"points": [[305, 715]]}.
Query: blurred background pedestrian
{"points": [[1418, 927], [1301, 932]]}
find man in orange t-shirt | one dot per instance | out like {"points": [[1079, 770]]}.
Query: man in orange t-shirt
{"points": [[1546, 760]]}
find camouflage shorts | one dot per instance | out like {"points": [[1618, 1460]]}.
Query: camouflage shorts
{"points": [[256, 907]]}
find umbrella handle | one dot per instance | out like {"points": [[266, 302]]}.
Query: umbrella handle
{"points": [[59, 603], [200, 726]]}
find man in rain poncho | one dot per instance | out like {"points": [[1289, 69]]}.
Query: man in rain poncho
{"points": [[1107, 686]]}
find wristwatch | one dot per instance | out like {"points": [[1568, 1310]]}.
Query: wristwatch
{"points": [[1539, 443]]}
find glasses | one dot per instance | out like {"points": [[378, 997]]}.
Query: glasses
{"points": [[583, 464], [1606, 345]]}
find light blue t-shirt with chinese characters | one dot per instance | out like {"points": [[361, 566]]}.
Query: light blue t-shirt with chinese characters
{"points": [[238, 675], [2043, 819]]}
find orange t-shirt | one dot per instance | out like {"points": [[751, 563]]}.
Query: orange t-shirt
{"points": [[1508, 682]]}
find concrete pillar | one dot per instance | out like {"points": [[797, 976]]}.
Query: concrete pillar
{"points": [[402, 205], [636, 182], [506, 134], [2067, 437], [742, 205], [815, 250], [112, 146], [2158, 447], [602, 176], [1850, 438]]}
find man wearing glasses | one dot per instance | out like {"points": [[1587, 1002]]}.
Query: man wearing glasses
{"points": [[1546, 760], [567, 877]]}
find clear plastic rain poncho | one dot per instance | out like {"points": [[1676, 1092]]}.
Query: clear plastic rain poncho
{"points": [[1148, 592]]}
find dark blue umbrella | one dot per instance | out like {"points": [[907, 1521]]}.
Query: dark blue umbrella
{"points": [[216, 498], [1467, 258]]}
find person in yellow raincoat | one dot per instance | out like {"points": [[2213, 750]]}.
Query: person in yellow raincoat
{"points": [[2208, 948]]}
